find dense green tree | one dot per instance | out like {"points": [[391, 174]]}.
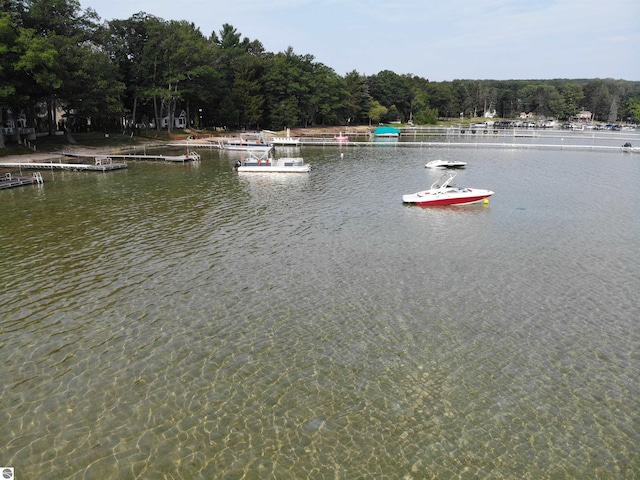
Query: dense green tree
{"points": [[422, 114], [507, 103], [439, 98], [376, 112], [542, 99], [61, 40], [174, 60], [57, 60], [573, 96], [239, 60], [391, 89], [35, 76], [327, 101], [246, 92], [463, 100], [597, 99], [485, 97], [287, 84], [93, 93], [124, 42], [426, 116], [633, 109], [8, 40], [359, 100]]}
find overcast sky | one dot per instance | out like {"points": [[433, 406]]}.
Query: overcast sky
{"points": [[435, 39]]}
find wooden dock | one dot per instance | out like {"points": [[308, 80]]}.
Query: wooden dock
{"points": [[10, 180]]}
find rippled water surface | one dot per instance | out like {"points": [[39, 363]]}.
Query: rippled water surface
{"points": [[185, 321]]}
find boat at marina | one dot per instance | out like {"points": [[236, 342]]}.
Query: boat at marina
{"points": [[445, 164], [286, 141], [341, 138], [442, 192], [387, 132], [243, 143], [257, 163]]}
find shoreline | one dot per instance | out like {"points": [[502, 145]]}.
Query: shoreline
{"points": [[301, 132], [56, 155]]}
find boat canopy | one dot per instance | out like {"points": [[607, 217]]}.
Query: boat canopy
{"points": [[386, 131]]}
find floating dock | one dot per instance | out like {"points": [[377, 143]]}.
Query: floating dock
{"points": [[10, 180], [104, 164], [189, 157]]}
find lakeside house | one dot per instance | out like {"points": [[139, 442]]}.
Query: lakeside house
{"points": [[178, 122], [583, 116]]}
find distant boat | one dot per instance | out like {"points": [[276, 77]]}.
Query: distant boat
{"points": [[262, 163], [341, 138], [445, 164], [386, 132], [244, 143], [287, 141]]}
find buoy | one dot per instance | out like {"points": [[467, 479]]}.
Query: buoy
{"points": [[342, 155], [486, 201]]}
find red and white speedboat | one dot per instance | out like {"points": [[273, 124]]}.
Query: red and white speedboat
{"points": [[443, 193]]}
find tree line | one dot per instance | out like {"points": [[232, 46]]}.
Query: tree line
{"points": [[62, 67]]}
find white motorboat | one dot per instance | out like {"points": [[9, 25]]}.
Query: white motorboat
{"points": [[286, 141], [245, 146], [445, 164], [245, 143], [265, 164], [442, 192]]}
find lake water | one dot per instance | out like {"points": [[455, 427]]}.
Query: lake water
{"points": [[188, 322]]}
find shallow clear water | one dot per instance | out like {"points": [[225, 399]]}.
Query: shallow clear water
{"points": [[186, 321]]}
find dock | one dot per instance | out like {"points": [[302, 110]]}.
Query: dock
{"points": [[103, 164], [10, 180], [189, 157]]}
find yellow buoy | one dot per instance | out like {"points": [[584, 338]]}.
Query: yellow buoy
{"points": [[486, 201]]}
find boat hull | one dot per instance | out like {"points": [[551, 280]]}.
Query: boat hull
{"points": [[428, 199], [246, 147], [274, 169], [285, 141], [443, 164], [273, 165]]}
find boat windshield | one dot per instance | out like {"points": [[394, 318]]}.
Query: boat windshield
{"points": [[444, 181]]}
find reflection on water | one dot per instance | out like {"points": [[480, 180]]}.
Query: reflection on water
{"points": [[184, 321]]}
